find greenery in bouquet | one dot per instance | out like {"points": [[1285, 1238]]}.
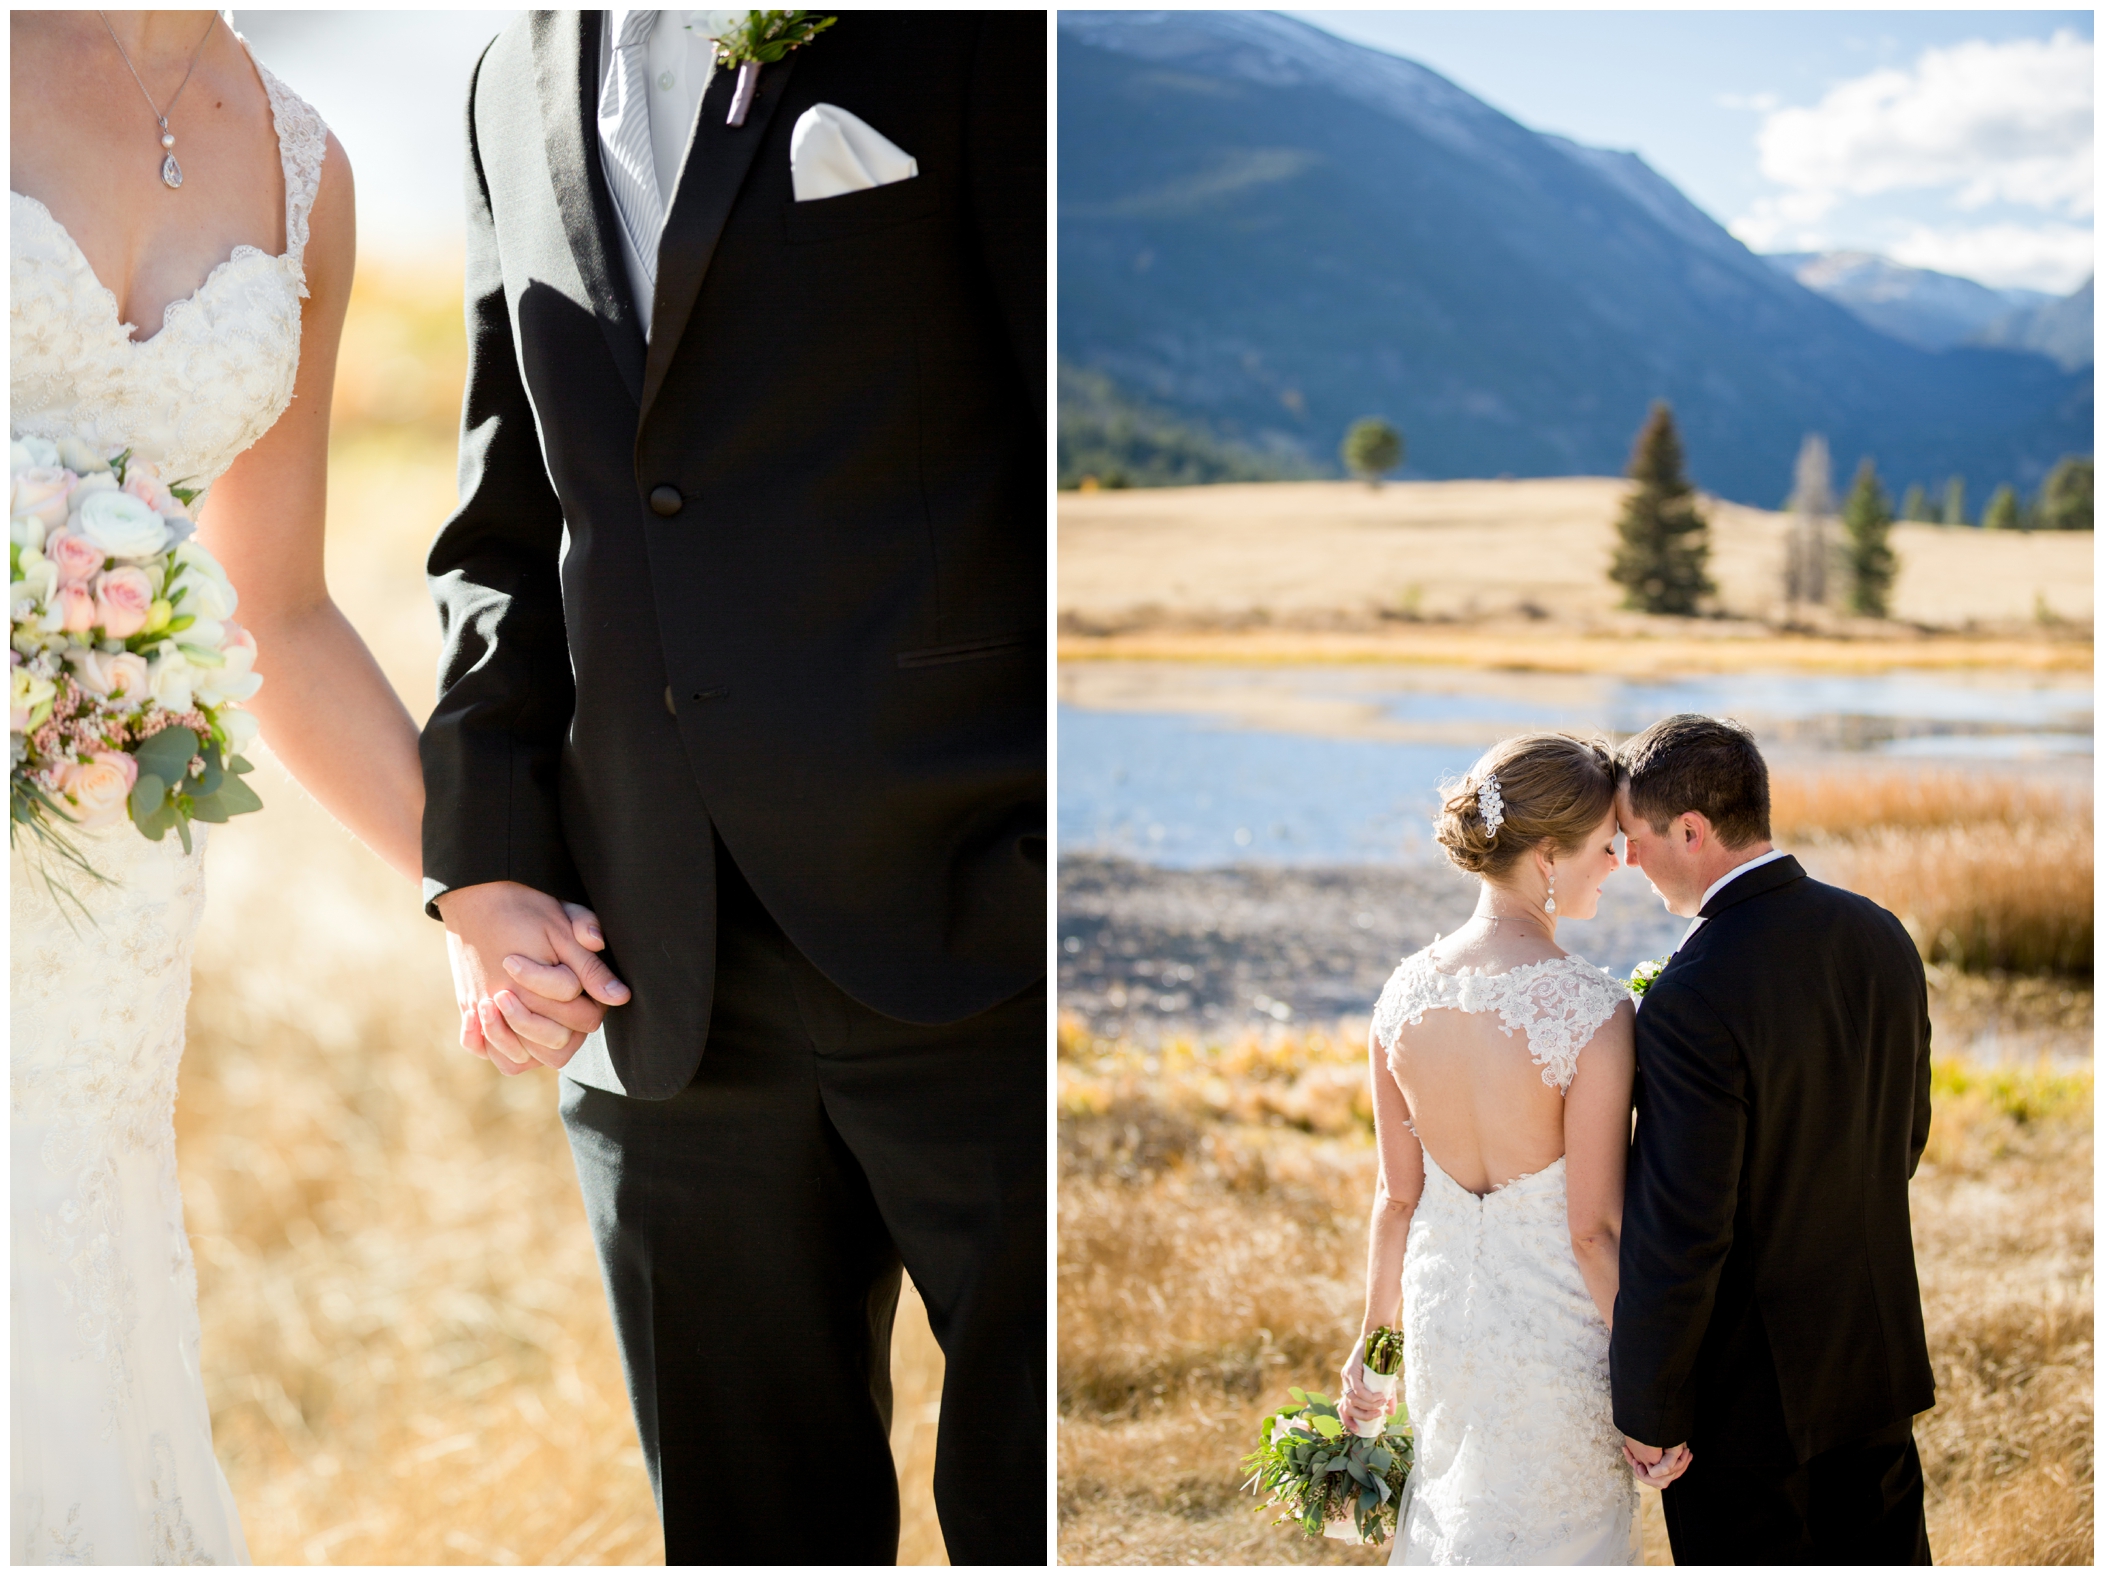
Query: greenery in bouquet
{"points": [[1317, 1472], [1384, 1352], [125, 669], [1644, 973]]}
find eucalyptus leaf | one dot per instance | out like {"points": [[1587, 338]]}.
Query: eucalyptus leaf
{"points": [[237, 798], [207, 782], [146, 797], [167, 754], [1328, 1427]]}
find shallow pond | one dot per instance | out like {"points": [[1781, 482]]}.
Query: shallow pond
{"points": [[1352, 777]]}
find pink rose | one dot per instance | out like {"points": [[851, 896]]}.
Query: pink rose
{"points": [[144, 483], [98, 786], [76, 605], [77, 558], [41, 494], [123, 600], [123, 674]]}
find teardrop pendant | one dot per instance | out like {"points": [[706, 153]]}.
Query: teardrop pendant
{"points": [[171, 173]]}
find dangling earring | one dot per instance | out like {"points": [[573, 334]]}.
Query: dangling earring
{"points": [[1549, 907]]}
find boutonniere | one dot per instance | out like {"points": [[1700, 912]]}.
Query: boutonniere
{"points": [[1644, 973], [762, 38]]}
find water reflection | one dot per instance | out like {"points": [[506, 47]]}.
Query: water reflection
{"points": [[1355, 783]]}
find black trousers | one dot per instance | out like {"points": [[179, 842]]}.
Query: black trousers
{"points": [[752, 1228], [1858, 1504]]}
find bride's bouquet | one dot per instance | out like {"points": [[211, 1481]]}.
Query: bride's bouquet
{"points": [[125, 671], [1333, 1480]]}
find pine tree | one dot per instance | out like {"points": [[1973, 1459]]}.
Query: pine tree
{"points": [[1371, 449], [1916, 506], [1954, 501], [1866, 528], [2065, 502], [1664, 548], [2002, 511]]}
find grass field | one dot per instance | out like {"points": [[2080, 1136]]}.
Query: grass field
{"points": [[1341, 556], [1212, 1217], [407, 1349]]}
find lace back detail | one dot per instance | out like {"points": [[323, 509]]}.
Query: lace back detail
{"points": [[1558, 1003], [303, 142]]}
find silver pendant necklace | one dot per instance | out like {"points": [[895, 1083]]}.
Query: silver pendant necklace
{"points": [[171, 172]]}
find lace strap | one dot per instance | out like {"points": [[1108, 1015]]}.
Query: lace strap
{"points": [[303, 142]]}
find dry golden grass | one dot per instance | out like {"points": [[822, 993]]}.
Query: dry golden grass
{"points": [[407, 1348], [1338, 554], [1212, 1207]]}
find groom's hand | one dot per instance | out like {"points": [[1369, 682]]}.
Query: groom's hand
{"points": [[526, 976], [1654, 1466]]}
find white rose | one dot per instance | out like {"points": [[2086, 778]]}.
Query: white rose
{"points": [[174, 680], [79, 458], [26, 531], [200, 587], [24, 453], [241, 729], [119, 524], [100, 481], [106, 674], [39, 580]]}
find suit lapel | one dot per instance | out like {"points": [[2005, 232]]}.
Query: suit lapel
{"points": [[565, 67], [1777, 872], [718, 158]]}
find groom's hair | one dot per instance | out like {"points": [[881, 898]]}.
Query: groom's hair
{"points": [[1706, 764]]}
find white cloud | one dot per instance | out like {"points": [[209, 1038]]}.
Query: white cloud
{"points": [[2054, 257], [2011, 122]]}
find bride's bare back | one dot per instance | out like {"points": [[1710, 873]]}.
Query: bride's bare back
{"points": [[1475, 1093]]}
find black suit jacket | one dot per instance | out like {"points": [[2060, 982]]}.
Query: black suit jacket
{"points": [[832, 652], [1768, 1297]]}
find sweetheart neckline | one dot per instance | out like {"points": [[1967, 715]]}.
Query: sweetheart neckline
{"points": [[241, 252], [128, 330]]}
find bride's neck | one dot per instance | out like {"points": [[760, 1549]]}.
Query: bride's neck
{"points": [[1505, 910], [155, 40]]}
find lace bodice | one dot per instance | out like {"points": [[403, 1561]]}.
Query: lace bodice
{"points": [[1558, 1003], [220, 371]]}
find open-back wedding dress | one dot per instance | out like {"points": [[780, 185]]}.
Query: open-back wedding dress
{"points": [[111, 1435], [1504, 1353]]}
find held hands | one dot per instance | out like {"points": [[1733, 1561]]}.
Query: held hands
{"points": [[1653, 1466], [526, 974]]}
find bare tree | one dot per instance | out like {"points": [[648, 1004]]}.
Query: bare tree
{"points": [[1812, 514]]}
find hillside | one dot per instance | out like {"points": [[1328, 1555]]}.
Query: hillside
{"points": [[1268, 232]]}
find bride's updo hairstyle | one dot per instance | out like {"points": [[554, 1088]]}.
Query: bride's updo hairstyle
{"points": [[1552, 785]]}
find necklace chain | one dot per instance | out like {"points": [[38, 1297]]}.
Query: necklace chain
{"points": [[171, 172]]}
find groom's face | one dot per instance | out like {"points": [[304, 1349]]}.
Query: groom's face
{"points": [[1666, 858]]}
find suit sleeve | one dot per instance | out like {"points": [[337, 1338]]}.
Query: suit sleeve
{"points": [[1677, 1212], [1006, 170], [491, 748], [1918, 1136]]}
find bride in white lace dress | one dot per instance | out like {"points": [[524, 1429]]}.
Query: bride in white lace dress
{"points": [[1502, 1071], [196, 324]]}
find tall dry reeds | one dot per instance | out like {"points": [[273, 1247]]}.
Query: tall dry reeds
{"points": [[1212, 1219], [1986, 872]]}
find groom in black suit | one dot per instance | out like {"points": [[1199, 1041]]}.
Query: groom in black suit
{"points": [[744, 618], [1768, 1332]]}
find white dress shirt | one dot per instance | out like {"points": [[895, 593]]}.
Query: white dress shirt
{"points": [[681, 57], [1732, 874]]}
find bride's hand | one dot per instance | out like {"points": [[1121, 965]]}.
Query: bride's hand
{"points": [[1356, 1404]]}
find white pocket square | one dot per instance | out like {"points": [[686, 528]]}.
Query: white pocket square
{"points": [[832, 152]]}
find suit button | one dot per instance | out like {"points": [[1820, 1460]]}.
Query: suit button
{"points": [[665, 499], [674, 710]]}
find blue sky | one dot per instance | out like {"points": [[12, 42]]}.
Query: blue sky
{"points": [[1956, 140]]}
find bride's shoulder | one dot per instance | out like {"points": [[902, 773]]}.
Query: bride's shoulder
{"points": [[1569, 966]]}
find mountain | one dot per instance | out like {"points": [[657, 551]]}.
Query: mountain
{"points": [[1926, 309], [2064, 329], [1268, 232]]}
